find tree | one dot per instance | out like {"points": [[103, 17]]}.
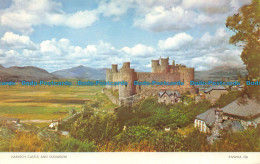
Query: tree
{"points": [[245, 24]]}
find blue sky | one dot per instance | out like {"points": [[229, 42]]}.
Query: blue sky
{"points": [[58, 34]]}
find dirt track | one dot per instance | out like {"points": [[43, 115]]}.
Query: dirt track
{"points": [[36, 121]]}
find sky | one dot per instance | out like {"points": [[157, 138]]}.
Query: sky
{"points": [[60, 34]]}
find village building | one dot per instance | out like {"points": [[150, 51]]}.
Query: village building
{"points": [[169, 97], [234, 117], [205, 121], [214, 92]]}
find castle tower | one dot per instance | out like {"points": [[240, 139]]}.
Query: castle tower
{"points": [[114, 68], [164, 64], [173, 62], [126, 65], [155, 66], [187, 75], [128, 75]]}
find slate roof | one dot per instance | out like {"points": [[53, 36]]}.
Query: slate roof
{"points": [[215, 87], [208, 117], [169, 93], [250, 109]]}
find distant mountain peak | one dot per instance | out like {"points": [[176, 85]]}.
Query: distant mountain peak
{"points": [[80, 66]]}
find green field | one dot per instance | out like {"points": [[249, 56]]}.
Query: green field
{"points": [[49, 102]]}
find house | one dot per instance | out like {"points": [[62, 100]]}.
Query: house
{"points": [[247, 113], [206, 120], [55, 124], [214, 92], [169, 97]]}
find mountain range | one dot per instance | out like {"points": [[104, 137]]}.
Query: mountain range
{"points": [[29, 73], [217, 73], [81, 72]]}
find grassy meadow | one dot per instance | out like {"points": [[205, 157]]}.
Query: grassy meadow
{"points": [[49, 102]]}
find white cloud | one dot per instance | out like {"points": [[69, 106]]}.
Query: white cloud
{"points": [[179, 15], [139, 50], [208, 6], [175, 42], [23, 15], [50, 46], [220, 38], [114, 7], [81, 19], [162, 19], [16, 41], [214, 59], [1, 52]]}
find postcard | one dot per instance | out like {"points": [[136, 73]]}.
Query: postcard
{"points": [[133, 81]]}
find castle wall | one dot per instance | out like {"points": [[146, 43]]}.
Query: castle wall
{"points": [[111, 97], [148, 90]]}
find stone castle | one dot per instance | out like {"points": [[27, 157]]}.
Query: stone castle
{"points": [[161, 71]]}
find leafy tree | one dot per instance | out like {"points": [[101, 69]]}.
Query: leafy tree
{"points": [[245, 25]]}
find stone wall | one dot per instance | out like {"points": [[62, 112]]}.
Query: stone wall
{"points": [[111, 97]]}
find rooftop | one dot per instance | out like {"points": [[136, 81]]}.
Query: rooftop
{"points": [[250, 109], [215, 87], [169, 93], [208, 117]]}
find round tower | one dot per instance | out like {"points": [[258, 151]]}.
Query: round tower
{"points": [[128, 75], [155, 66], [187, 75], [164, 64]]}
